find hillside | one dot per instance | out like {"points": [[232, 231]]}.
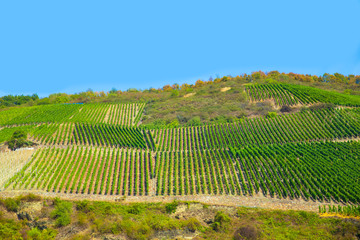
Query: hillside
{"points": [[32, 217], [269, 143]]}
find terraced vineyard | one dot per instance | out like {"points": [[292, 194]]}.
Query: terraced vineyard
{"points": [[89, 170], [305, 170], [298, 127], [289, 94], [310, 170], [38, 114], [276, 92], [119, 114], [59, 124], [13, 162], [102, 149], [109, 135]]}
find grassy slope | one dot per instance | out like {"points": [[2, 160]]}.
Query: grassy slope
{"points": [[142, 221], [212, 105], [208, 102]]}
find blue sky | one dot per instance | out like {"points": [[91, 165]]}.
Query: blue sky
{"points": [[71, 46]]}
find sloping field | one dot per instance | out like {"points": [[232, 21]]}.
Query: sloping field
{"points": [[290, 94], [275, 92], [311, 170], [100, 150], [296, 171], [12, 162], [87, 170], [59, 124], [298, 127], [119, 114]]}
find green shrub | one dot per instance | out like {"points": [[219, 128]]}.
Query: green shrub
{"points": [[82, 219], [9, 229], [193, 224], [46, 234], [18, 140], [221, 221], [171, 207], [84, 206], [105, 226], [173, 124], [271, 114], [246, 232], [319, 106], [135, 230], [195, 121], [161, 222], [62, 213], [285, 108], [81, 236], [30, 198], [175, 93], [136, 209], [12, 204], [348, 91]]}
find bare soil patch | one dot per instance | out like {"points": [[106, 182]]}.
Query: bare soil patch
{"points": [[189, 95], [256, 201], [225, 89]]}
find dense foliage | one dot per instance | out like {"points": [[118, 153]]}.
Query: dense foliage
{"points": [[10, 100], [153, 220], [19, 140]]}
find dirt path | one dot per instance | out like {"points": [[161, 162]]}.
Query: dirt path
{"points": [[107, 118], [346, 139], [225, 200]]}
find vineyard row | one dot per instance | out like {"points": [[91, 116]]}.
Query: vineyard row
{"points": [[297, 127], [118, 114], [324, 171]]}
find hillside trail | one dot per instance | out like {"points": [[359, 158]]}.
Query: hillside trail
{"points": [[346, 139], [255, 201]]}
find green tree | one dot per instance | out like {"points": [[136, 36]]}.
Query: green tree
{"points": [[271, 114], [18, 140], [195, 121]]}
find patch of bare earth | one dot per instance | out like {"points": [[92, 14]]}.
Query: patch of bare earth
{"points": [[257, 200], [107, 115], [225, 89], [189, 95]]}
